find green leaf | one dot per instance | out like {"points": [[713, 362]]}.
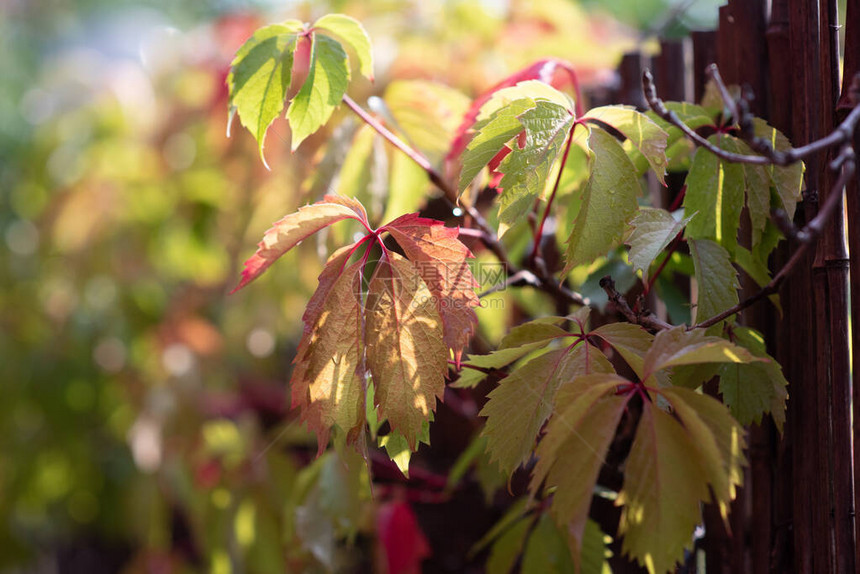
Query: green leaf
{"points": [[787, 180], [757, 388], [678, 346], [492, 134], [663, 489], [547, 550], [353, 34], [756, 187], [519, 406], [608, 202], [574, 449], [644, 134], [260, 77], [650, 233], [718, 438], [322, 91], [527, 168], [715, 196], [716, 278]]}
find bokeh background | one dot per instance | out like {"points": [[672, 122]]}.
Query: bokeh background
{"points": [[143, 417]]}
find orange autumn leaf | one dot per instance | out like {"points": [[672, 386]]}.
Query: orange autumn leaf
{"points": [[397, 327]]}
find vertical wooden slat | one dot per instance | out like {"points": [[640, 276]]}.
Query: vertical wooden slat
{"points": [[630, 76], [670, 71], [788, 529], [727, 46], [845, 104], [811, 484], [833, 252], [704, 54]]}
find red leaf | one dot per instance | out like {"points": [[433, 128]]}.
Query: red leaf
{"points": [[401, 544], [294, 228], [440, 259], [556, 73]]}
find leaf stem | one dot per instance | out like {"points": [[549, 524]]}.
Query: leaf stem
{"points": [[468, 366], [539, 233], [653, 279]]}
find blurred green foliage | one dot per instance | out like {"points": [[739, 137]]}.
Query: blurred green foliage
{"points": [[143, 410]]}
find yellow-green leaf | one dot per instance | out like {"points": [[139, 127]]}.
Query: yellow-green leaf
{"points": [[663, 489], [716, 279], [643, 133], [574, 449], [677, 346], [719, 440], [631, 341], [353, 34], [518, 407]]}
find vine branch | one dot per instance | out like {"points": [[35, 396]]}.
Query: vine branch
{"points": [[644, 318], [770, 156]]}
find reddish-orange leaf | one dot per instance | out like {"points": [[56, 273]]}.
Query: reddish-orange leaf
{"points": [[440, 259], [327, 382], [405, 346], [295, 227]]}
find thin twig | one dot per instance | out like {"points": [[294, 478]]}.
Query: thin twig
{"points": [[521, 277], [841, 135], [728, 100], [646, 319]]}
